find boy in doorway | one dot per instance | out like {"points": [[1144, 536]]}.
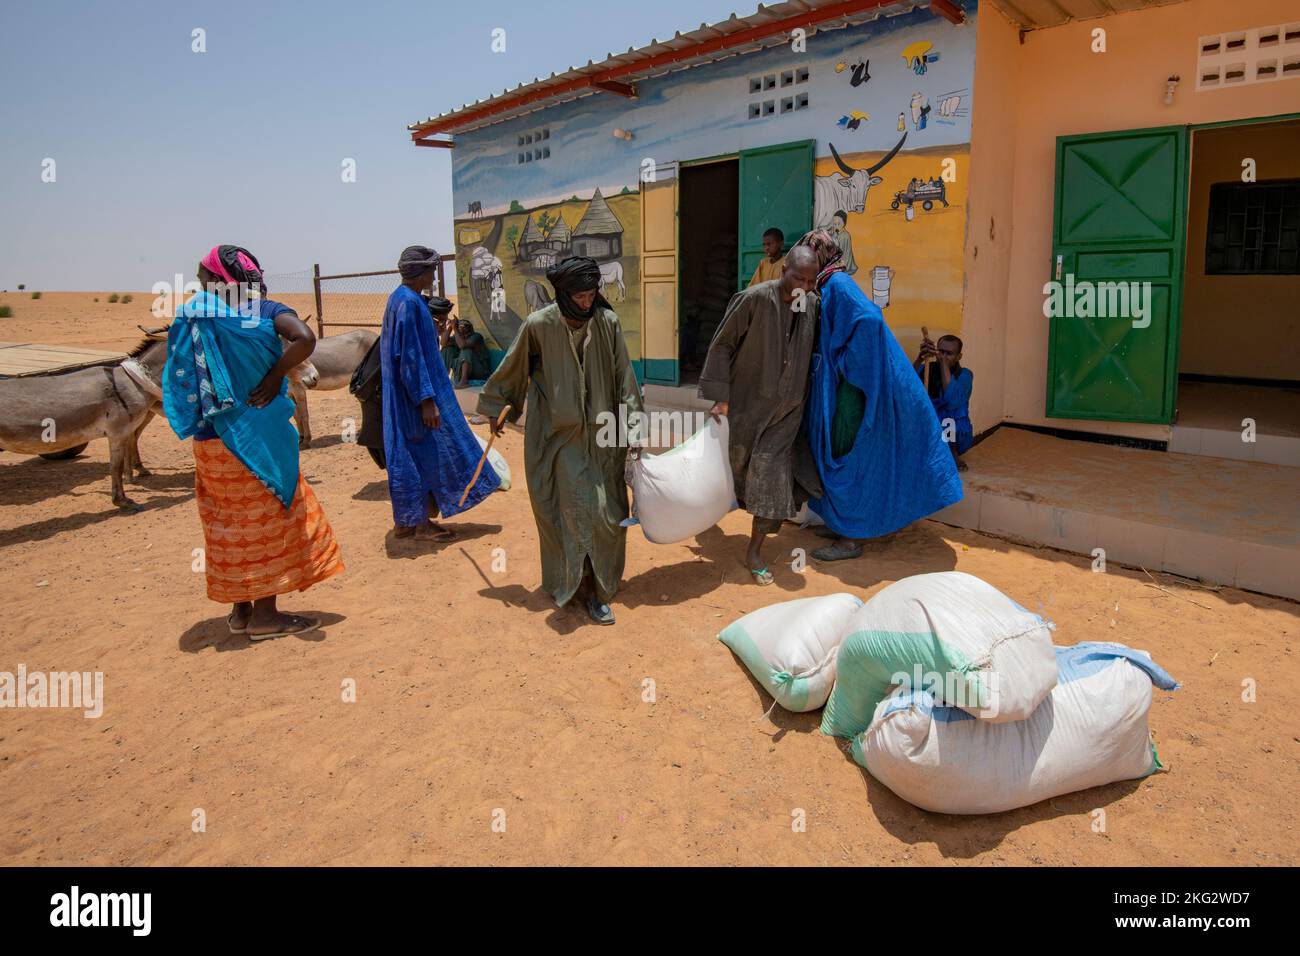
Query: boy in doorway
{"points": [[951, 393], [773, 265]]}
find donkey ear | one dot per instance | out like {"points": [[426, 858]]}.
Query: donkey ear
{"points": [[157, 333]]}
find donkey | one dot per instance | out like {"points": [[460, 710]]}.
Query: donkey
{"points": [[51, 414], [331, 366]]}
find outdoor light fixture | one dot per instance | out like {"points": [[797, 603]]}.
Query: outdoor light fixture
{"points": [[1170, 85]]}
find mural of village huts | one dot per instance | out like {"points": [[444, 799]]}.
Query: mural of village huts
{"points": [[502, 259]]}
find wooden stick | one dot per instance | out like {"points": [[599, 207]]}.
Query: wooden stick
{"points": [[925, 365], [1171, 593], [501, 420]]}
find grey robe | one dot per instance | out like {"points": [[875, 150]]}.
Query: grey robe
{"points": [[758, 365], [576, 486]]}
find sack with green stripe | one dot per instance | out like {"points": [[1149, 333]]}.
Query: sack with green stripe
{"points": [[790, 647], [1091, 730], [950, 634]]}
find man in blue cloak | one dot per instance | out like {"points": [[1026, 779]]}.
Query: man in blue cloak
{"points": [[430, 449], [877, 443]]}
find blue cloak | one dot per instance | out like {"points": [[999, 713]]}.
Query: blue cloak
{"points": [[424, 461], [216, 356], [899, 468]]}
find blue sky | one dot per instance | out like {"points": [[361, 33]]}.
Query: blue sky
{"points": [[161, 152]]}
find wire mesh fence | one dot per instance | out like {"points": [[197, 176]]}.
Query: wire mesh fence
{"points": [[353, 300]]}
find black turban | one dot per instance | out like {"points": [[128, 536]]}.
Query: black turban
{"points": [[576, 274], [415, 261], [440, 306]]}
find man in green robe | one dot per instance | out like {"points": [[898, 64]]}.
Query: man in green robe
{"points": [[756, 374], [570, 361]]}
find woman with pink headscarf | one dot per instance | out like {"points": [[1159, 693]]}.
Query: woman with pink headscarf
{"points": [[224, 386]]}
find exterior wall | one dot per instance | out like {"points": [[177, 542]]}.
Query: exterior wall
{"points": [[990, 216], [1244, 326], [1065, 88], [864, 95]]}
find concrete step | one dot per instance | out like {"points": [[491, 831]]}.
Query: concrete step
{"points": [[1232, 523], [1222, 443]]}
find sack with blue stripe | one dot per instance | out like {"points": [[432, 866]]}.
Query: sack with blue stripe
{"points": [[1090, 731], [790, 647], [951, 634]]}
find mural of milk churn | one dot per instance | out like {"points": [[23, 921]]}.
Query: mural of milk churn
{"points": [[882, 277]]}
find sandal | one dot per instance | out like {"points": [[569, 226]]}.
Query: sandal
{"points": [[762, 576], [301, 625], [838, 552], [230, 623]]}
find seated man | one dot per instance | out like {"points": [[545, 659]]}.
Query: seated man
{"points": [[471, 362], [951, 393], [445, 323]]}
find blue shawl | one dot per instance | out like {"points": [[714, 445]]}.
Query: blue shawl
{"points": [[899, 468], [216, 356]]}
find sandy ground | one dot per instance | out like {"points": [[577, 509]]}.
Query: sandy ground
{"points": [[476, 699]]}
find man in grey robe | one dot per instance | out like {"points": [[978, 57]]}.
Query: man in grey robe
{"points": [[756, 374]]}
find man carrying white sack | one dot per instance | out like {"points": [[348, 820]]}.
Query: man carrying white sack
{"points": [[756, 374]]}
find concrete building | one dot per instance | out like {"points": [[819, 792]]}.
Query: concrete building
{"points": [[1115, 234]]}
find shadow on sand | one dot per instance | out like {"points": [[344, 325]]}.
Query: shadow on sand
{"points": [[215, 633], [409, 548], [964, 837]]}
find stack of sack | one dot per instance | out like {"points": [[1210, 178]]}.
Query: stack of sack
{"points": [[953, 694], [718, 288], [685, 490]]}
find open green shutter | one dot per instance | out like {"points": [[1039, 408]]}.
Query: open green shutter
{"points": [[776, 189]]}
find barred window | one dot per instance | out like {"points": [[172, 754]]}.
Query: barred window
{"points": [[1254, 228]]}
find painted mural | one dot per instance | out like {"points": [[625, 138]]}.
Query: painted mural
{"points": [[509, 252], [901, 230], [887, 104]]}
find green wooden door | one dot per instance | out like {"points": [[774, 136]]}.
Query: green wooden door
{"points": [[1120, 219], [776, 189]]}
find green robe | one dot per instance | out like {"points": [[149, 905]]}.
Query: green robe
{"points": [[577, 489]]}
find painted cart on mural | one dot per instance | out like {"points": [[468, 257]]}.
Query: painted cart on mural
{"points": [[927, 194]]}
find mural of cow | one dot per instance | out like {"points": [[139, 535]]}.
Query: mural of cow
{"points": [[475, 209], [847, 189], [611, 273]]}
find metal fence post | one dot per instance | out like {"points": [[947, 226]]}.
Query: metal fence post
{"points": [[320, 312]]}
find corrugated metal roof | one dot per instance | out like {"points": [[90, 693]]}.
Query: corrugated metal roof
{"points": [[1037, 14], [678, 50]]}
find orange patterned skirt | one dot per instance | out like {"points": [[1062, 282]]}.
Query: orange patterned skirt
{"points": [[255, 546]]}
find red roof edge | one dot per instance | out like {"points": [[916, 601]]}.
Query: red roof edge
{"points": [[603, 80]]}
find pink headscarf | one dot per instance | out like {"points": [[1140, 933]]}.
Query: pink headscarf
{"points": [[212, 262]]}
